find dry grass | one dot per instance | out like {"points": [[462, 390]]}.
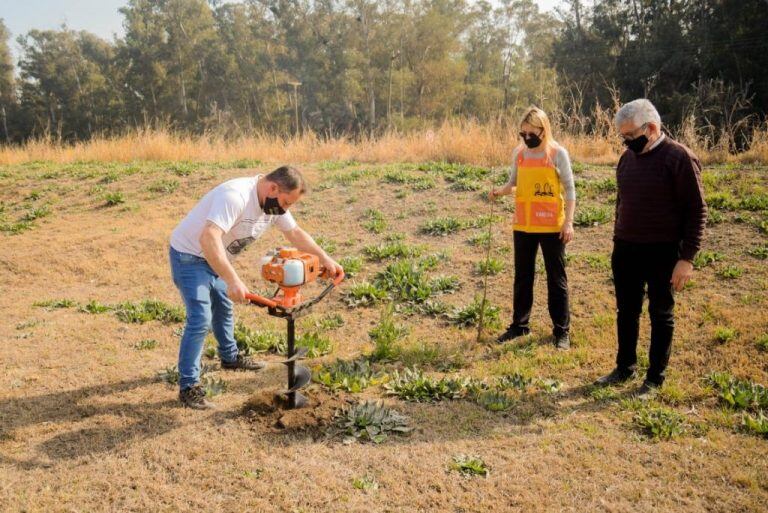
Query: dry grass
{"points": [[454, 141], [86, 426]]}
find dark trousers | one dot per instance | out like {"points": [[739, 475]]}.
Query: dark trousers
{"points": [[553, 249], [635, 266]]}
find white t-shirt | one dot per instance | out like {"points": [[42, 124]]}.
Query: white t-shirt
{"points": [[234, 207]]}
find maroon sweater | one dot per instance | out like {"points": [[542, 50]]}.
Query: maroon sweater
{"points": [[660, 197]]}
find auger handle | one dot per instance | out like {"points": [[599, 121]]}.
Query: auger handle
{"points": [[260, 300]]}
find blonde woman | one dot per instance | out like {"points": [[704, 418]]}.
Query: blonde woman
{"points": [[545, 199]]}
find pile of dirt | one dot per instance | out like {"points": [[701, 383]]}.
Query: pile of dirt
{"points": [[268, 409]]}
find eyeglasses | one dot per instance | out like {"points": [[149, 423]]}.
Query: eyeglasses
{"points": [[631, 136]]}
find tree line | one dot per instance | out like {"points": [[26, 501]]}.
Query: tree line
{"points": [[364, 67]]}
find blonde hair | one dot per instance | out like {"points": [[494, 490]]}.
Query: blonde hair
{"points": [[537, 118]]}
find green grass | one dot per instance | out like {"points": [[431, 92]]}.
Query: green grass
{"points": [[760, 252], [165, 186]]}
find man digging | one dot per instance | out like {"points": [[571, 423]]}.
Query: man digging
{"points": [[202, 247]]}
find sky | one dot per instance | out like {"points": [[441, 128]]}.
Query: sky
{"points": [[100, 17]]}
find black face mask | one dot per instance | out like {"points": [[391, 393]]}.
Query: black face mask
{"points": [[272, 207], [532, 140], [637, 144]]}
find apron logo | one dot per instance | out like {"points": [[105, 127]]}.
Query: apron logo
{"points": [[547, 190]]}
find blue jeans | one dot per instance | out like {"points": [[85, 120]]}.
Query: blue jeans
{"points": [[207, 304]]}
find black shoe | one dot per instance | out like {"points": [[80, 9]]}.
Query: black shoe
{"points": [[243, 363], [563, 342], [194, 397], [512, 333], [615, 377], [648, 390]]}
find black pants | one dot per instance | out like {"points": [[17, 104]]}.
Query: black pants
{"points": [[635, 266], [553, 249]]}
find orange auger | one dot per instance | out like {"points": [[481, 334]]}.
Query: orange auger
{"points": [[290, 269]]}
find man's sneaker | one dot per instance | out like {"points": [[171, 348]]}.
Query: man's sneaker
{"points": [[512, 333], [563, 342], [615, 377], [648, 390], [194, 397], [243, 363]]}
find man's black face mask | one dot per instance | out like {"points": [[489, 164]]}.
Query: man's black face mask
{"points": [[272, 207], [638, 143]]}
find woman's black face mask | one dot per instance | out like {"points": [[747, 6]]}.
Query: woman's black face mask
{"points": [[530, 139]]}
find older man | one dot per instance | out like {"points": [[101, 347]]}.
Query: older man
{"points": [[660, 216], [222, 224]]}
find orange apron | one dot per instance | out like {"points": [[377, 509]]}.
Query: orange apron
{"points": [[539, 206]]}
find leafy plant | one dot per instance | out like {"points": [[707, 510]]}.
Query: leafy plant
{"points": [[513, 381], [739, 394], [494, 400], [149, 310], [470, 314], [170, 375], [365, 483], [405, 280], [214, 386], [166, 186], [762, 342], [705, 258], [114, 198], [316, 344], [330, 322], [731, 272], [442, 226], [363, 294], [592, 216], [757, 425], [55, 303], [391, 250], [147, 343], [469, 466], [94, 307], [759, 252], [250, 341], [352, 265], [724, 335], [660, 423], [370, 421], [489, 267], [445, 284], [353, 376], [413, 385], [384, 336]]}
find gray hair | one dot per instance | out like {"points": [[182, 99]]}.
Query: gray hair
{"points": [[639, 112]]}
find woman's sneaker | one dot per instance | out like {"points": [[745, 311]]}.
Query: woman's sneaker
{"points": [[513, 332], [563, 342], [194, 397]]}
